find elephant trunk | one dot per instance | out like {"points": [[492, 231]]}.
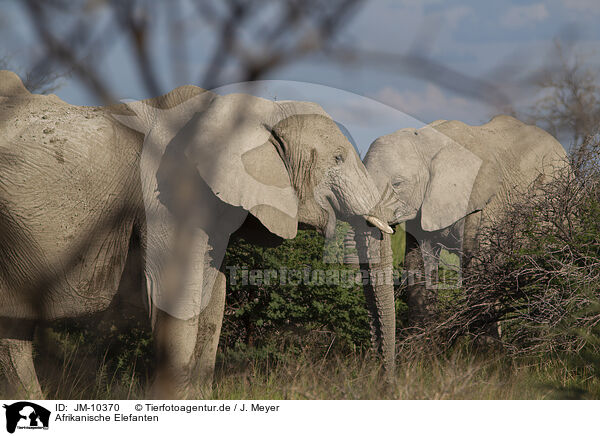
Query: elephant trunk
{"points": [[374, 251]]}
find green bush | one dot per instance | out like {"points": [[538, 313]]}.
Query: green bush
{"points": [[262, 303]]}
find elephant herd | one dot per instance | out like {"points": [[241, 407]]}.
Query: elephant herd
{"points": [[87, 193]]}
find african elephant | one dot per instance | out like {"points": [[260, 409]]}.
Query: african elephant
{"points": [[173, 176], [445, 180]]}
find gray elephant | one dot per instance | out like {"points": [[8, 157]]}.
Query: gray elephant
{"points": [[82, 187], [445, 181]]}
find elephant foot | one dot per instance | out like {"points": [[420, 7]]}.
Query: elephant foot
{"points": [[175, 341], [170, 384]]}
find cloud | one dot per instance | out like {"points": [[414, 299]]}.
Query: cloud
{"points": [[432, 104], [455, 15], [412, 3], [582, 5], [520, 16]]}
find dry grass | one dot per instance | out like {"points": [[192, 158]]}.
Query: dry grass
{"points": [[316, 374], [459, 376]]}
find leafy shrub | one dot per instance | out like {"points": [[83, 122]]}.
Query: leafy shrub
{"points": [[263, 304]]}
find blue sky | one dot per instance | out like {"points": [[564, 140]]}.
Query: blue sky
{"points": [[494, 41]]}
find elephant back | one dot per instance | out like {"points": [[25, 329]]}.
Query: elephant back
{"points": [[11, 85], [508, 144], [514, 156], [166, 101]]}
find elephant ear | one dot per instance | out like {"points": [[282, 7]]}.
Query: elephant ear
{"points": [[232, 147], [453, 171]]}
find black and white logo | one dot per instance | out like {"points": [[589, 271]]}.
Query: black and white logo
{"points": [[26, 415]]}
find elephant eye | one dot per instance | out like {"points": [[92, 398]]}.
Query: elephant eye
{"points": [[398, 183], [339, 159]]}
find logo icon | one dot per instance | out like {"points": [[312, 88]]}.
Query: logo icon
{"points": [[26, 415]]}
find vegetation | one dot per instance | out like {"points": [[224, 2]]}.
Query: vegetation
{"points": [[295, 290], [317, 370]]}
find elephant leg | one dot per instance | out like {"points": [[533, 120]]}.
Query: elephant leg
{"points": [[470, 241], [188, 348], [175, 343], [420, 298], [431, 260], [491, 331], [209, 331], [16, 362], [174, 271]]}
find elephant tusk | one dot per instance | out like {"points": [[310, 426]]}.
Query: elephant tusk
{"points": [[379, 224]]}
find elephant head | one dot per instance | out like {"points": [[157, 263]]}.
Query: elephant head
{"points": [[423, 170]]}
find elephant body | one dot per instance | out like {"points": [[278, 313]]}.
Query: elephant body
{"points": [[165, 182], [515, 158], [447, 181], [60, 185]]}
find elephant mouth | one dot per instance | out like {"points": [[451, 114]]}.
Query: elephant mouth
{"points": [[332, 205], [402, 215], [396, 211]]}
